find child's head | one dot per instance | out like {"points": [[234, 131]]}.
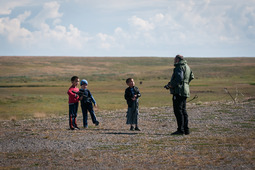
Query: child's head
{"points": [[130, 82], [75, 80], [84, 84]]}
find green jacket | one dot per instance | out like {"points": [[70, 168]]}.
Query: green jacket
{"points": [[180, 79]]}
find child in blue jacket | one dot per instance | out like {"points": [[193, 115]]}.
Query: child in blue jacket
{"points": [[86, 104]]}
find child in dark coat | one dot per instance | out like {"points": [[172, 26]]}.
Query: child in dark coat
{"points": [[132, 94]]}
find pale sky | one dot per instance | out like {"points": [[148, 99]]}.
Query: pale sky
{"points": [[193, 28]]}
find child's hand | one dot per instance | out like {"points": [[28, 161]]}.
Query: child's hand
{"points": [[96, 108]]}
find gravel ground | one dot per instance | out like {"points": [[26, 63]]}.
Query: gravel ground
{"points": [[222, 137]]}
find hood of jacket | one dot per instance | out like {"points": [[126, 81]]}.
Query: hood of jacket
{"points": [[181, 62]]}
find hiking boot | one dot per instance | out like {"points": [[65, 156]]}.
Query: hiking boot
{"points": [[177, 133], [137, 129], [97, 123], [186, 132], [132, 128]]}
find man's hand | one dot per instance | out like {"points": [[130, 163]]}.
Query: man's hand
{"points": [[134, 98]]}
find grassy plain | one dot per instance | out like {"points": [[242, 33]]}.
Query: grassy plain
{"points": [[36, 86], [222, 133]]}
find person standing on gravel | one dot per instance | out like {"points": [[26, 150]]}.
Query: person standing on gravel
{"points": [[132, 94], [86, 104], [73, 102], [179, 87]]}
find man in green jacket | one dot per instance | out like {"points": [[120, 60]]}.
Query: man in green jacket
{"points": [[179, 87]]}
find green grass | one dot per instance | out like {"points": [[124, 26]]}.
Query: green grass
{"points": [[36, 86]]}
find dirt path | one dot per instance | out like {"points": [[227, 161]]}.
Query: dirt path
{"points": [[222, 137]]}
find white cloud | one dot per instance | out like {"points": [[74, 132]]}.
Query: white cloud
{"points": [[158, 17], [50, 11], [141, 26], [11, 28], [6, 6], [122, 5], [120, 34], [188, 23], [24, 16], [105, 41], [46, 36]]}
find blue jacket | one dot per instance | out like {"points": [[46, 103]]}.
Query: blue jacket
{"points": [[87, 97]]}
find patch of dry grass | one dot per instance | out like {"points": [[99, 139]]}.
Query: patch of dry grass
{"points": [[30, 85]]}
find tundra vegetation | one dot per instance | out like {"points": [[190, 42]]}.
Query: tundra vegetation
{"points": [[34, 114]]}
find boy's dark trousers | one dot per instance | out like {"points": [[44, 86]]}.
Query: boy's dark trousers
{"points": [[179, 104], [73, 109], [85, 108]]}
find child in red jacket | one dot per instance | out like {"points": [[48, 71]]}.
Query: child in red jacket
{"points": [[73, 103]]}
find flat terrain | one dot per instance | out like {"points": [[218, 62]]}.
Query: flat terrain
{"points": [[34, 123], [32, 87], [222, 137]]}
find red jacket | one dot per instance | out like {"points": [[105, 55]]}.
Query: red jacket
{"points": [[73, 98]]}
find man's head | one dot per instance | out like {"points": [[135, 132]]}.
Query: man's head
{"points": [[178, 58]]}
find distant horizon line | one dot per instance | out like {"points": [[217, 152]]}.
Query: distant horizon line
{"points": [[126, 56]]}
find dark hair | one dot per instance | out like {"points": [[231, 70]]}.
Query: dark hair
{"points": [[74, 78], [179, 56], [128, 80]]}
